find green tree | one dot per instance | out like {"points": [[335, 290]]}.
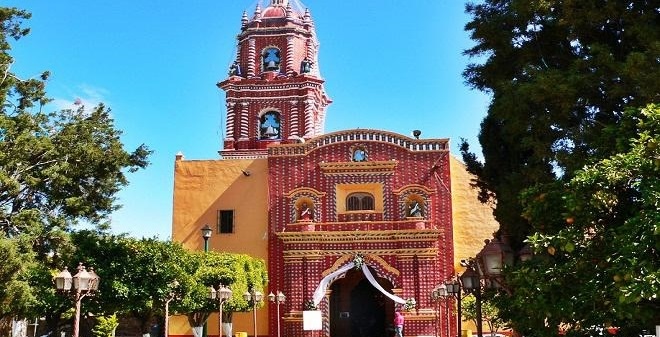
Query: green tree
{"points": [[561, 75], [489, 313], [106, 326], [606, 261], [137, 277], [14, 293], [57, 168], [239, 272]]}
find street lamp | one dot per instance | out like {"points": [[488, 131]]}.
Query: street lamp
{"points": [[491, 260], [454, 289], [488, 265], [255, 297], [472, 284], [438, 294], [84, 283], [206, 234], [279, 299], [222, 295]]}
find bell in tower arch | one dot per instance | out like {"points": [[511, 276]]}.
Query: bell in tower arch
{"points": [[271, 65], [271, 59]]}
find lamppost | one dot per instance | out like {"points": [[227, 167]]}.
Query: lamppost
{"points": [[491, 260], [255, 297], [488, 266], [279, 299], [206, 235], [84, 284], [454, 289], [222, 295], [472, 284], [438, 295]]}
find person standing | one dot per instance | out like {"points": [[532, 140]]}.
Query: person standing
{"points": [[398, 324]]}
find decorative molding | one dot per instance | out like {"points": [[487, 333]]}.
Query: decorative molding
{"points": [[304, 190], [402, 254], [358, 168], [414, 187], [362, 135], [428, 235]]}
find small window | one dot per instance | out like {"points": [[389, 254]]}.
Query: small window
{"points": [[360, 202], [226, 221]]}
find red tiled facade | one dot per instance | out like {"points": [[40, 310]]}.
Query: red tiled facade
{"points": [[413, 254]]}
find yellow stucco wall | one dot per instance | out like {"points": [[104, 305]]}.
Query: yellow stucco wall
{"points": [[201, 188], [473, 221]]}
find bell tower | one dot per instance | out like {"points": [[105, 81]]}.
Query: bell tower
{"points": [[274, 90]]}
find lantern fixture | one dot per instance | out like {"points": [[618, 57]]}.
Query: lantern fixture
{"points": [[84, 283], [494, 256]]}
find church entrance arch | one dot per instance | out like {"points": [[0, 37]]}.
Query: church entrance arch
{"points": [[358, 309]]}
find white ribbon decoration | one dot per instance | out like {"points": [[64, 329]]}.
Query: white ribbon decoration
{"points": [[325, 282], [374, 283]]}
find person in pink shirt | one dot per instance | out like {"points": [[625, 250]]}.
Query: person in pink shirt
{"points": [[398, 324]]}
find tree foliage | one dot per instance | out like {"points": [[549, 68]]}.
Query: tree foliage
{"points": [[606, 259], [14, 292], [489, 314], [560, 74], [138, 276], [240, 272], [570, 158], [57, 168]]}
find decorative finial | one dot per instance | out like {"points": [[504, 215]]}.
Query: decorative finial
{"points": [[257, 13], [289, 11], [307, 17], [244, 20]]}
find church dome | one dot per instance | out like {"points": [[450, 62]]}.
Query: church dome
{"points": [[278, 9], [274, 12]]}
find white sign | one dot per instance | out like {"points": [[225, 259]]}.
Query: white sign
{"points": [[312, 320]]}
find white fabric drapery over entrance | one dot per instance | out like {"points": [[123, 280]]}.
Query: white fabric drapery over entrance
{"points": [[325, 282]]}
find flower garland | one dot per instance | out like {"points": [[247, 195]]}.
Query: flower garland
{"points": [[358, 261], [410, 304], [309, 305]]}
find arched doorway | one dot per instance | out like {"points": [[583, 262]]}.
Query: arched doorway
{"points": [[357, 309]]}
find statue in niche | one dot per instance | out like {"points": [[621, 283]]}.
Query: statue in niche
{"points": [[415, 209], [305, 212], [235, 69]]}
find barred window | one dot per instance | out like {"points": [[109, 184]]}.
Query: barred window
{"points": [[360, 201]]}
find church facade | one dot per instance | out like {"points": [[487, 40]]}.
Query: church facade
{"points": [[354, 224]]}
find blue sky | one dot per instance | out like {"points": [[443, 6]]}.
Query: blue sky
{"points": [[391, 65]]}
